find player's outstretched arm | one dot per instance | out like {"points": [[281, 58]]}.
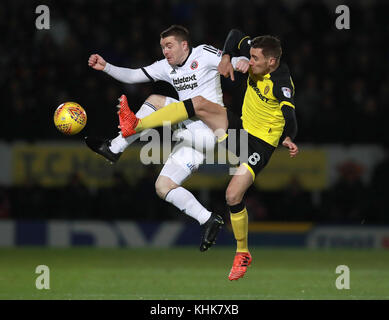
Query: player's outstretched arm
{"points": [[236, 44], [125, 75]]}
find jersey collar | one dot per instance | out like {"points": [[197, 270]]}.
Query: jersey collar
{"points": [[190, 52]]}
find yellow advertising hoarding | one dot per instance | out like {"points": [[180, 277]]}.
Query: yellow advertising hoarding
{"points": [[310, 168], [52, 165]]}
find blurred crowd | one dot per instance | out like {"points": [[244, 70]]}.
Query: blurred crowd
{"points": [[340, 76], [341, 79]]}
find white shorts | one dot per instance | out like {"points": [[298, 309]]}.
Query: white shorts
{"points": [[182, 162], [195, 140]]}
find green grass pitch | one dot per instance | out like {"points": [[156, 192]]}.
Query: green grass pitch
{"points": [[185, 273]]}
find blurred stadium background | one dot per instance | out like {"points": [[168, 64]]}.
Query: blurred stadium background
{"points": [[55, 193]]}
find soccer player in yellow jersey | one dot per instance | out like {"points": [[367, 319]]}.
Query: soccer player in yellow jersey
{"points": [[268, 117]]}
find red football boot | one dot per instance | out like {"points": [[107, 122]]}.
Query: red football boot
{"points": [[241, 261], [127, 119]]}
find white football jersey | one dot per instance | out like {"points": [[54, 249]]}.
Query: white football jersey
{"points": [[197, 76]]}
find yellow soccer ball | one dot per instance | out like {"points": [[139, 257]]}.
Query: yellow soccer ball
{"points": [[70, 118]]}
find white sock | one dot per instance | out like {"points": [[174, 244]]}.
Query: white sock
{"points": [[187, 203], [119, 144]]}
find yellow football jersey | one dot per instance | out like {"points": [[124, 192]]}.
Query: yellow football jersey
{"points": [[261, 111]]}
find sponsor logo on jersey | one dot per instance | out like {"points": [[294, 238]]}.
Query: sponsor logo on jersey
{"points": [[194, 65], [287, 92], [266, 90], [184, 83], [257, 91]]}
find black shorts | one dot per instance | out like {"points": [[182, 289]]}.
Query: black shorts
{"points": [[252, 151]]}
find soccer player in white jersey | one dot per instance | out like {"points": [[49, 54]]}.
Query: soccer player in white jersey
{"points": [[192, 72]]}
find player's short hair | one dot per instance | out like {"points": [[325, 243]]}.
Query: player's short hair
{"points": [[271, 46], [179, 32]]}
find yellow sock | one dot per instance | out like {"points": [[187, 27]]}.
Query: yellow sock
{"points": [[174, 112], [239, 222]]}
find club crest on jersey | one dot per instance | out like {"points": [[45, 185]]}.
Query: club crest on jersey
{"points": [[194, 65], [287, 92], [266, 90]]}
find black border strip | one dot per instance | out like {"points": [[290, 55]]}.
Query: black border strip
{"points": [[147, 75]]}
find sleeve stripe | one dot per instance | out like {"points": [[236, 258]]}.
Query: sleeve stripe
{"points": [[240, 42], [287, 103], [214, 52], [147, 75], [150, 105], [211, 48]]}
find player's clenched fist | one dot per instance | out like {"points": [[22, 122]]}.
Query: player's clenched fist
{"points": [[96, 62], [242, 65]]}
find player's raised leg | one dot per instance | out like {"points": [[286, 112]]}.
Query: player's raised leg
{"points": [[168, 187], [237, 187], [111, 149], [212, 114]]}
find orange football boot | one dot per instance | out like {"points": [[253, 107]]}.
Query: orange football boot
{"points": [[127, 119], [241, 261]]}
